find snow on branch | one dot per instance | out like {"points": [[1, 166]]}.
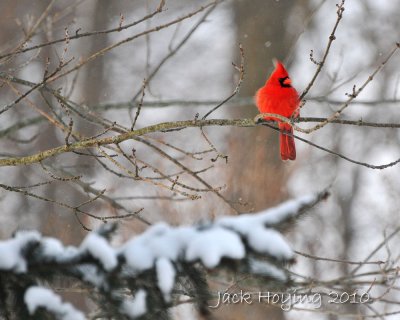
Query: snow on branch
{"points": [[139, 279], [36, 297]]}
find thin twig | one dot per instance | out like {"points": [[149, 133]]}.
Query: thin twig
{"points": [[355, 93], [86, 34], [139, 105], [332, 37], [364, 164], [173, 51], [40, 84], [129, 39], [313, 257], [237, 88]]}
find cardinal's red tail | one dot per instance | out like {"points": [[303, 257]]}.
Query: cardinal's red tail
{"points": [[288, 149]]}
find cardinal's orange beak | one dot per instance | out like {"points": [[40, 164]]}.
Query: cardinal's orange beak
{"points": [[287, 82]]}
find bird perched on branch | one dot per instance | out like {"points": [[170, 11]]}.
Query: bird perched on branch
{"points": [[279, 97]]}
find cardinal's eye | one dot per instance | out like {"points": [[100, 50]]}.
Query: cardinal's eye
{"points": [[285, 82]]}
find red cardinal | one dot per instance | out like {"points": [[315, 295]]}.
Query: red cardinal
{"points": [[279, 97]]}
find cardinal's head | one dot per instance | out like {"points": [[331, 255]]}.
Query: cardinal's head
{"points": [[280, 76]]}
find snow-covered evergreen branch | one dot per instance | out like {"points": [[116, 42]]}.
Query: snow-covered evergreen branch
{"points": [[143, 277]]}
